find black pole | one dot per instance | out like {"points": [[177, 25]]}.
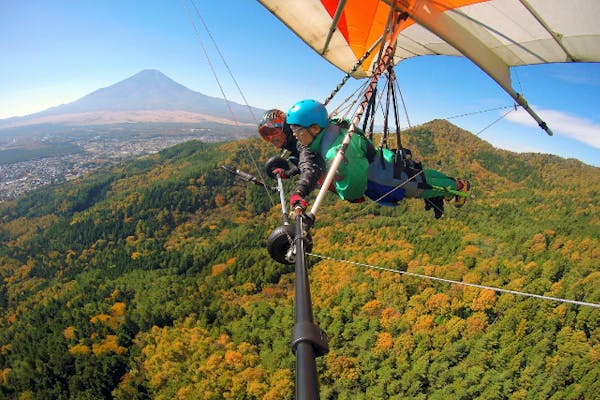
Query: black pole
{"points": [[308, 340]]}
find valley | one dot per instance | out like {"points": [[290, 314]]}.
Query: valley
{"points": [[52, 156]]}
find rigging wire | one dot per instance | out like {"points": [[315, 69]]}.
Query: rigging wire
{"points": [[510, 109], [224, 61], [493, 122], [434, 278], [403, 103], [399, 186], [213, 71], [479, 112]]}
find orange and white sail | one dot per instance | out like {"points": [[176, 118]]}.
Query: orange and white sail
{"points": [[494, 34]]}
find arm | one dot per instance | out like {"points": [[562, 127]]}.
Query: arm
{"points": [[311, 167]]}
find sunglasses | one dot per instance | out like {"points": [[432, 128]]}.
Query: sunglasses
{"points": [[298, 129]]}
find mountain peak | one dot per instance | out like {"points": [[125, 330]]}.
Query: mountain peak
{"points": [[147, 91]]}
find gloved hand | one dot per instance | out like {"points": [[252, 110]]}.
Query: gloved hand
{"points": [[297, 201], [437, 203], [281, 172]]}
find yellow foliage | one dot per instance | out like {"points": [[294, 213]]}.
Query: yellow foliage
{"points": [[471, 251], [113, 295], [26, 395], [186, 362], [79, 349], [281, 384], [213, 361], [552, 362], [109, 344], [253, 378], [101, 319], [185, 392]]}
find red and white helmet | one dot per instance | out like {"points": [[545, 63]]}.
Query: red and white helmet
{"points": [[271, 126]]}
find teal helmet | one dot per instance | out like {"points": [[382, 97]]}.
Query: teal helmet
{"points": [[308, 112]]}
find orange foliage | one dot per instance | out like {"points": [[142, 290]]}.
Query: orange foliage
{"points": [[233, 358], [118, 309], [423, 324], [273, 291], [220, 200], [439, 302], [485, 300], [217, 269], [69, 332], [476, 323], [4, 375], [384, 341], [224, 340], [389, 317], [539, 244], [342, 367], [372, 308]]}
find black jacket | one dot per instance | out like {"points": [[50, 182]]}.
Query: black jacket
{"points": [[312, 167]]}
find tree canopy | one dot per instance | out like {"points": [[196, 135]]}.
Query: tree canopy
{"points": [[152, 280]]}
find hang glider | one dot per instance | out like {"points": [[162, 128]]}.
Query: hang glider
{"points": [[493, 34]]}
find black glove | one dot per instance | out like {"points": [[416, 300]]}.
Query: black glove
{"points": [[437, 203]]}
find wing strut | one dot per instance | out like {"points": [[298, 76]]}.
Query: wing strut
{"points": [[333, 27]]}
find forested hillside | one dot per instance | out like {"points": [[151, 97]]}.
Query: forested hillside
{"points": [[151, 280]]}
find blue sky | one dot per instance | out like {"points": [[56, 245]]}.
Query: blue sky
{"points": [[54, 52]]}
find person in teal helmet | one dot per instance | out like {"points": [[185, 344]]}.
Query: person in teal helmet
{"points": [[360, 175]]}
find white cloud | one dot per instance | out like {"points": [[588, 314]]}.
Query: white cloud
{"points": [[561, 123]]}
